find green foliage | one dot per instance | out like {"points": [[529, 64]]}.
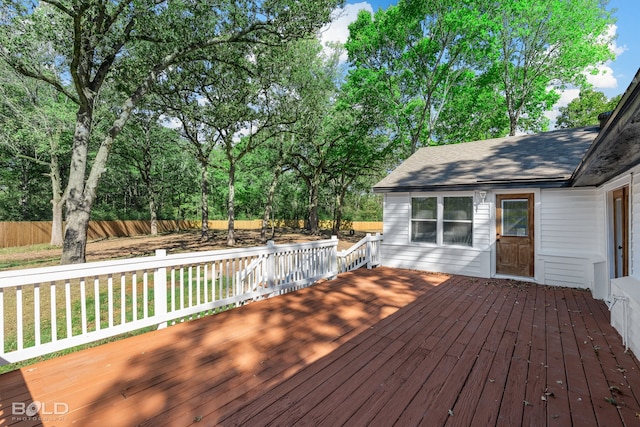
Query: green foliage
{"points": [[262, 111], [541, 44], [584, 110]]}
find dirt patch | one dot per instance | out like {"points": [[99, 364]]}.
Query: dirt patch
{"points": [[182, 241]]}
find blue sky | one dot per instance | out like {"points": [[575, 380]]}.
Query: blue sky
{"points": [[618, 73]]}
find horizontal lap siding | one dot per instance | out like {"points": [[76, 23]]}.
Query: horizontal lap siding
{"points": [[569, 272], [438, 259], [569, 221], [396, 218], [399, 252], [571, 229], [482, 220]]}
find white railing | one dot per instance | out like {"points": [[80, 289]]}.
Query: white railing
{"points": [[44, 310], [365, 252]]}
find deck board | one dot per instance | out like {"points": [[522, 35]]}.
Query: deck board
{"points": [[373, 347]]}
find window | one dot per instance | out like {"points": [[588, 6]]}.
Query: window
{"points": [[442, 220], [515, 217], [458, 221], [424, 219]]}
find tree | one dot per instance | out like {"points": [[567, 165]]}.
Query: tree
{"points": [[584, 110], [407, 58], [130, 44], [149, 148], [475, 111], [37, 128], [543, 44]]}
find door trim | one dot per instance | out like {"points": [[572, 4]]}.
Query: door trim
{"points": [[528, 269], [620, 231]]}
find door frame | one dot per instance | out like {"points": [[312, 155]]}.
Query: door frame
{"points": [[517, 241], [619, 192], [536, 227]]}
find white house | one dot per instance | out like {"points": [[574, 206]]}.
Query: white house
{"points": [[556, 208]]}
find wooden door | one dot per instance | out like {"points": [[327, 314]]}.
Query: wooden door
{"points": [[515, 234], [621, 232]]}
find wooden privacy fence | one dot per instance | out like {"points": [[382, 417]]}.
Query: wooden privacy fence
{"points": [[48, 309], [39, 232]]}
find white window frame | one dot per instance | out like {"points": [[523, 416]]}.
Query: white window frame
{"points": [[440, 220]]}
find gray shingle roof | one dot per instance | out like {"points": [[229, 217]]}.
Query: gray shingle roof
{"points": [[545, 160]]}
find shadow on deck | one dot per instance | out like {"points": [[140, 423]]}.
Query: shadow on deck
{"points": [[373, 347]]}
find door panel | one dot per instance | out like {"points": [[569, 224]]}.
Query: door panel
{"points": [[621, 232], [515, 234]]}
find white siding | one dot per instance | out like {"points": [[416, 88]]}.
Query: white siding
{"points": [[396, 218], [569, 221], [468, 262], [399, 252], [571, 239], [625, 310]]}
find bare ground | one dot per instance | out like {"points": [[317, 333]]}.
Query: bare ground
{"points": [[182, 241]]}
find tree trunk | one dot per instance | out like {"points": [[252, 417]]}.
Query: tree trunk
{"points": [[204, 202], [75, 236], [57, 200], [231, 238], [277, 171], [148, 179], [56, 222], [339, 209], [314, 197], [513, 124], [154, 215], [23, 202], [78, 206]]}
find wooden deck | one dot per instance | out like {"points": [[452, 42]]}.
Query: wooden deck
{"points": [[373, 347]]}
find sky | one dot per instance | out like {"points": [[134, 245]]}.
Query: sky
{"points": [[617, 74]]}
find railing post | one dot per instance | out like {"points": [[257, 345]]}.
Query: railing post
{"points": [[271, 264], [160, 289], [334, 258], [368, 251]]}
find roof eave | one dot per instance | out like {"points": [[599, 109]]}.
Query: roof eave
{"points": [[615, 149], [484, 185]]}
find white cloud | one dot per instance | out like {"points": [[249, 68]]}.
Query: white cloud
{"points": [[604, 78], [338, 29], [613, 45], [566, 96]]}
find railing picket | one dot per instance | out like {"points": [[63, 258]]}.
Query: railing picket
{"points": [[123, 299], [110, 299], [36, 314], [83, 305], [54, 312], [206, 285], [145, 294], [173, 289], [134, 295], [190, 286], [19, 319], [181, 287], [67, 302], [214, 284], [198, 284], [96, 303]]}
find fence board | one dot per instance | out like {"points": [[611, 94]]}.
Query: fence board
{"points": [[28, 233]]}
